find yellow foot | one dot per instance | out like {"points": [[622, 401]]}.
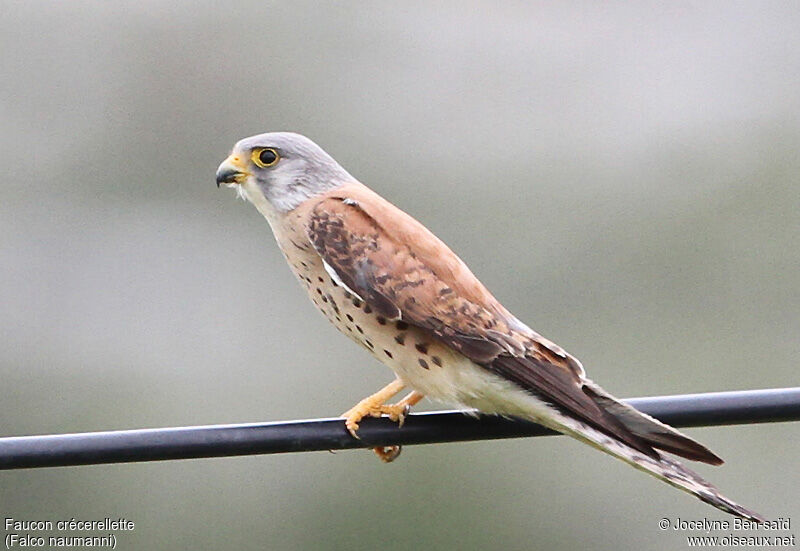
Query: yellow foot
{"points": [[387, 454], [368, 408], [375, 406]]}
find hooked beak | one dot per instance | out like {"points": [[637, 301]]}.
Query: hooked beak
{"points": [[232, 171]]}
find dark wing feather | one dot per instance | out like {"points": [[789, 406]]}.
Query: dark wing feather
{"points": [[390, 277], [557, 387], [386, 272], [656, 433]]}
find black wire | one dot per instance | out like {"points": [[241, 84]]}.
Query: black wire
{"points": [[690, 410]]}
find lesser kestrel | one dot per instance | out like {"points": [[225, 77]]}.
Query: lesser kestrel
{"points": [[389, 284]]}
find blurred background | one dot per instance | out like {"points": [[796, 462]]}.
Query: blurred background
{"points": [[624, 177]]}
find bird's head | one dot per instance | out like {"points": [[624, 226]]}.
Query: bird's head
{"points": [[282, 168]]}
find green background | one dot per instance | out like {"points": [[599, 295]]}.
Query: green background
{"points": [[624, 178]]}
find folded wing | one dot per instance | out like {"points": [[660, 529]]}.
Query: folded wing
{"points": [[404, 272]]}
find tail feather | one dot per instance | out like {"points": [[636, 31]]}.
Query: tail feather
{"points": [[568, 402], [652, 431], [664, 468]]}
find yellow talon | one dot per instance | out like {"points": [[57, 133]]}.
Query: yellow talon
{"points": [[375, 406], [395, 412], [388, 454], [372, 406]]}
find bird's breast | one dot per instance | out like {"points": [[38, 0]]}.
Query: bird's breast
{"points": [[419, 359], [424, 363]]}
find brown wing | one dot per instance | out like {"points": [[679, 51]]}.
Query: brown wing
{"points": [[392, 278], [404, 272]]}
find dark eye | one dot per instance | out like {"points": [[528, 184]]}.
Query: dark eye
{"points": [[265, 157]]}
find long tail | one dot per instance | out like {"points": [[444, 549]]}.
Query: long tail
{"points": [[660, 466]]}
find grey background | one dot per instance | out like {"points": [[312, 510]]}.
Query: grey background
{"points": [[624, 177]]}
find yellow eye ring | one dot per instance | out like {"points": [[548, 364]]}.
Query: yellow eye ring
{"points": [[265, 157]]}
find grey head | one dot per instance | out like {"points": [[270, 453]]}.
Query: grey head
{"points": [[286, 168]]}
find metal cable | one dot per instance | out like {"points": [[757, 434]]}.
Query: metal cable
{"points": [[58, 450]]}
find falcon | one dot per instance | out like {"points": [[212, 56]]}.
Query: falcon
{"points": [[393, 287]]}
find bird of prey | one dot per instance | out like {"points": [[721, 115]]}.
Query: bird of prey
{"points": [[389, 284]]}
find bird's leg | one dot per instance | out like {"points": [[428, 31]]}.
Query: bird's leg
{"points": [[372, 406], [397, 412], [375, 406]]}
